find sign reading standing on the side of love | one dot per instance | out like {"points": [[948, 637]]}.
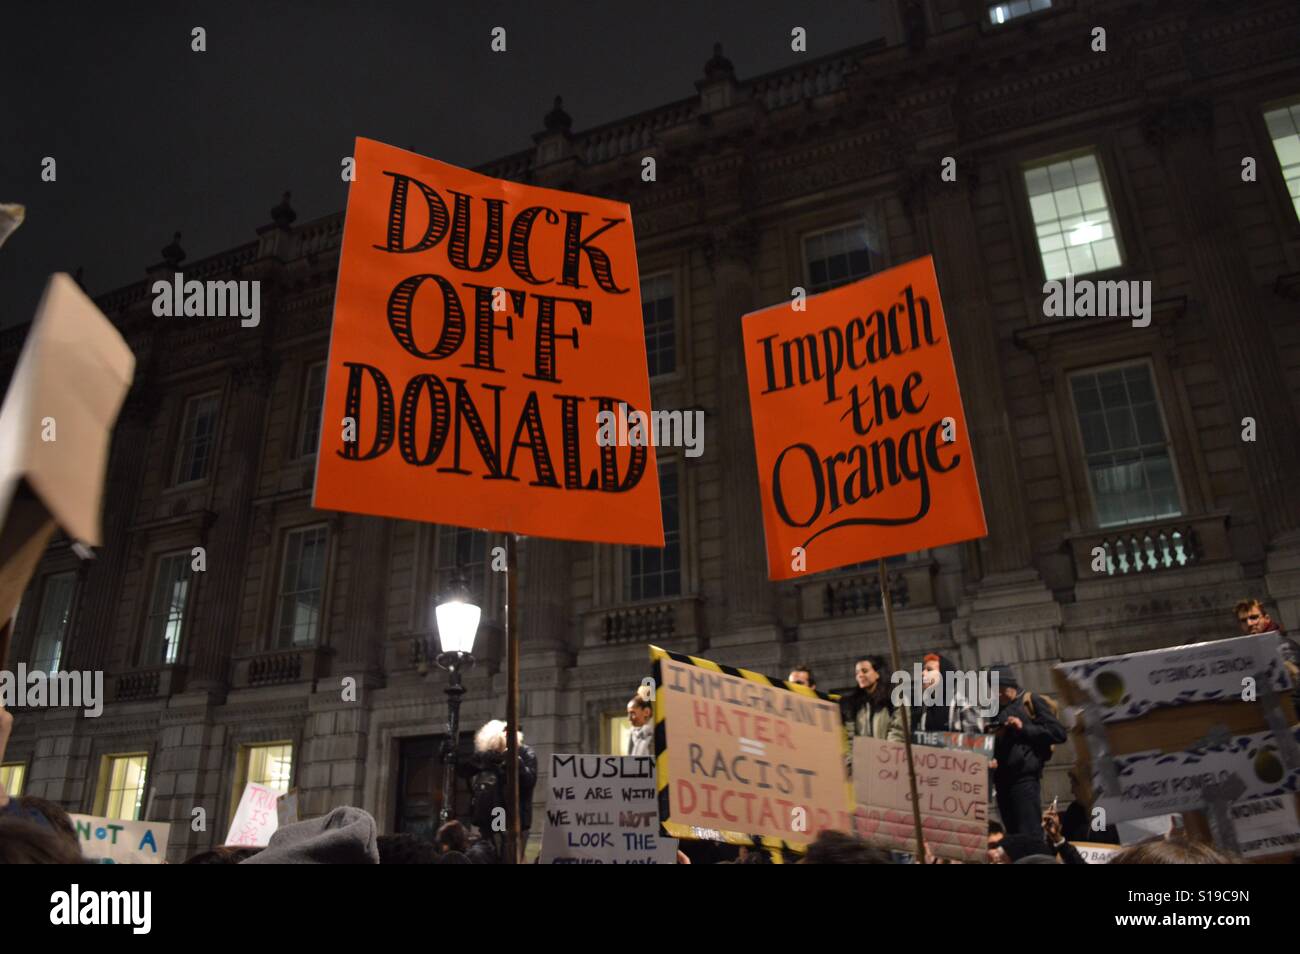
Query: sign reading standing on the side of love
{"points": [[603, 810], [952, 786], [484, 334], [861, 440]]}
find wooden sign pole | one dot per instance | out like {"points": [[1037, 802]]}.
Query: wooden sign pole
{"points": [[887, 604], [512, 703]]}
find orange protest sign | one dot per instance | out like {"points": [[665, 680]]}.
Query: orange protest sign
{"points": [[861, 441], [480, 329]]}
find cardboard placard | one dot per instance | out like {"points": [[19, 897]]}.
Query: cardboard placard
{"points": [[1097, 853], [1129, 686], [255, 818], [1156, 781], [115, 841], [748, 756], [55, 428], [604, 810], [480, 328], [286, 808], [966, 741], [861, 439], [1266, 826], [953, 788]]}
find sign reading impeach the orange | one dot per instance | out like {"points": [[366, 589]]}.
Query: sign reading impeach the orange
{"points": [[861, 441], [480, 327]]}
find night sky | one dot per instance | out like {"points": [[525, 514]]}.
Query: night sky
{"points": [[152, 138]]}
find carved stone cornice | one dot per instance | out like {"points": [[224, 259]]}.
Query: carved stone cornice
{"points": [[1179, 119], [922, 183], [256, 374], [735, 241]]}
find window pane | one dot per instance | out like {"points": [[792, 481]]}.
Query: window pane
{"points": [[271, 765], [301, 578], [12, 776], [126, 778], [198, 433], [837, 257], [469, 552], [312, 400], [659, 313], [165, 620], [1284, 129], [1129, 466], [1072, 218], [654, 573], [52, 623]]}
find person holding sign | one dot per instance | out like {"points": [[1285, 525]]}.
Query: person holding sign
{"points": [[868, 710], [1027, 730], [489, 784]]}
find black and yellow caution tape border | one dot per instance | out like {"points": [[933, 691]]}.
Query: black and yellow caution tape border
{"points": [[776, 847]]}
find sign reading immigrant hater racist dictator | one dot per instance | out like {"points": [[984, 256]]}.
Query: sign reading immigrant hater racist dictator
{"points": [[861, 441], [480, 328], [745, 755]]}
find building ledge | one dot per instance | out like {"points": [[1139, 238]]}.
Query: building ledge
{"points": [[1146, 549], [280, 666], [676, 618]]}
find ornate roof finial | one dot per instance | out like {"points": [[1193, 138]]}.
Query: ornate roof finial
{"points": [[283, 214], [173, 254], [557, 120], [719, 66]]}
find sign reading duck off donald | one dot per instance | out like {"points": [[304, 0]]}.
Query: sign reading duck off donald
{"points": [[861, 440], [483, 331]]}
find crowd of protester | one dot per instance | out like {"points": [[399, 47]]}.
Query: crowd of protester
{"points": [[1025, 728]]}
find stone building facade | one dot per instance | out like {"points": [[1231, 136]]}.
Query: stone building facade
{"points": [[1087, 434]]}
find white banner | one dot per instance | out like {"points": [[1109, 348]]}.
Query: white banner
{"points": [[115, 841], [604, 810]]}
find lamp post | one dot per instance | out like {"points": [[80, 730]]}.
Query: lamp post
{"points": [[458, 617]]}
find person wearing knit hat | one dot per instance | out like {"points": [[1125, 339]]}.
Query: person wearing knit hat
{"points": [[1025, 732], [346, 836]]}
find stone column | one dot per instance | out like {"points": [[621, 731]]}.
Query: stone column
{"points": [[747, 594], [213, 637], [1200, 193], [90, 644], [365, 626], [545, 611], [943, 212]]}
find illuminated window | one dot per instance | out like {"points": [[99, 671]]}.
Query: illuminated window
{"points": [[617, 731], [1072, 218], [1130, 471], [302, 578], [836, 257], [1010, 9], [12, 776], [121, 786], [198, 438], [312, 399], [166, 618], [270, 765], [1284, 129], [52, 624], [660, 314]]}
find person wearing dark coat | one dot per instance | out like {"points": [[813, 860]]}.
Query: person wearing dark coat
{"points": [[1023, 745], [489, 786]]}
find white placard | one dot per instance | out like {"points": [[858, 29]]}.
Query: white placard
{"points": [[604, 810], [115, 841], [255, 819]]}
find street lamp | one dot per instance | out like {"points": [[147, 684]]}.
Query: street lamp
{"points": [[458, 617]]}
